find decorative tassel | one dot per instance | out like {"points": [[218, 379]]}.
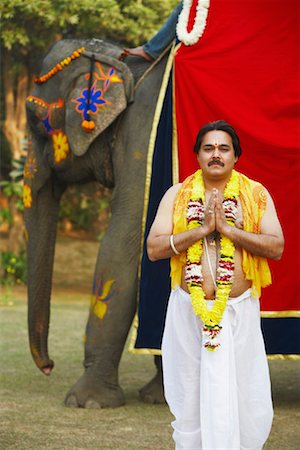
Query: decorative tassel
{"points": [[88, 124]]}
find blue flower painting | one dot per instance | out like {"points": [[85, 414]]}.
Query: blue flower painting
{"points": [[85, 107]]}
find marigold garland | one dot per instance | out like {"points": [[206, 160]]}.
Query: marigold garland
{"points": [[59, 66], [38, 101], [225, 272]]}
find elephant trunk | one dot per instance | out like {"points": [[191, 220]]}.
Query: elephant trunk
{"points": [[41, 223]]}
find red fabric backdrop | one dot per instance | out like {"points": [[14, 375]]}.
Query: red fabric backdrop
{"points": [[245, 70]]}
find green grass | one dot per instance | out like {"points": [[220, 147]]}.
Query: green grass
{"points": [[32, 412]]}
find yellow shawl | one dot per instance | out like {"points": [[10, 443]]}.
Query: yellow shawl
{"points": [[253, 200]]}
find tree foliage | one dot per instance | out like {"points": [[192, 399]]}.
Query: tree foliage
{"points": [[35, 24]]}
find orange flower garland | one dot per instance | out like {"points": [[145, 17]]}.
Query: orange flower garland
{"points": [[40, 102], [59, 66]]}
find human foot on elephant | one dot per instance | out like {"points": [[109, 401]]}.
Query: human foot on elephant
{"points": [[138, 51]]}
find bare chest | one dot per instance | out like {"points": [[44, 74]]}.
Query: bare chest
{"points": [[210, 263]]}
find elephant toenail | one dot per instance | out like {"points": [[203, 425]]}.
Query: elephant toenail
{"points": [[71, 401], [92, 404]]}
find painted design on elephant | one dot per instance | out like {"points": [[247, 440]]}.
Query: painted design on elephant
{"points": [[59, 66], [45, 110], [86, 105], [27, 196], [89, 102], [30, 167], [110, 77], [61, 146], [102, 293]]}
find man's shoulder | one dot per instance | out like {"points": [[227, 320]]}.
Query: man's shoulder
{"points": [[174, 189], [171, 193]]}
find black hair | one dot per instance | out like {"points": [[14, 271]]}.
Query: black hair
{"points": [[222, 126]]}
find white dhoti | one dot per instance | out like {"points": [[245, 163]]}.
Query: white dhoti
{"points": [[221, 400]]}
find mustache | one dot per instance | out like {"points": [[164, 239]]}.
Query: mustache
{"points": [[215, 161]]}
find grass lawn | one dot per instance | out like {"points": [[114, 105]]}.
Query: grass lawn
{"points": [[32, 411]]}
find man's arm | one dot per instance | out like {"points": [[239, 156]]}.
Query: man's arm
{"points": [[158, 242], [269, 243]]}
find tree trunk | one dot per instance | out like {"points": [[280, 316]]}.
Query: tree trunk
{"points": [[15, 115], [16, 91], [16, 233]]}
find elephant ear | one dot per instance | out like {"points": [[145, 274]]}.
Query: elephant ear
{"points": [[111, 89]]}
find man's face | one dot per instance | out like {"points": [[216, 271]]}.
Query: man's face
{"points": [[216, 155]]}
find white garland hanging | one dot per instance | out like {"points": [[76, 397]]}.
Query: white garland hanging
{"points": [[190, 38]]}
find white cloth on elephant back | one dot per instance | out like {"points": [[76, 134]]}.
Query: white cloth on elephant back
{"points": [[221, 400]]}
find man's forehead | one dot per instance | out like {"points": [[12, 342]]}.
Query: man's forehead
{"points": [[216, 137]]}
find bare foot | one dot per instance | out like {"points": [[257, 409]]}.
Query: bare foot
{"points": [[138, 51]]}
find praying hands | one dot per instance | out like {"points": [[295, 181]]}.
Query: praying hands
{"points": [[214, 215]]}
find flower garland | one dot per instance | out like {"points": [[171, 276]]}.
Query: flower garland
{"points": [[59, 66], [190, 38], [195, 214]]}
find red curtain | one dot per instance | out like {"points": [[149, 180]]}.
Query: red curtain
{"points": [[245, 70]]}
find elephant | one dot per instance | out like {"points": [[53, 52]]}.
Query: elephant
{"points": [[90, 117]]}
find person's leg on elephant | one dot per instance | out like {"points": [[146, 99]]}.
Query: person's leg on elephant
{"points": [[160, 41]]}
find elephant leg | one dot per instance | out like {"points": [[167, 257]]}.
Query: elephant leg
{"points": [[110, 318], [153, 392]]}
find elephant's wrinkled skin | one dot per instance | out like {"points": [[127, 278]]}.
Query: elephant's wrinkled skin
{"points": [[116, 158]]}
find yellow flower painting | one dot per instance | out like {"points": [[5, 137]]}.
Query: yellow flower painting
{"points": [[102, 293], [27, 196], [60, 146]]}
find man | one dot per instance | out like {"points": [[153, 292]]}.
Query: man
{"points": [[218, 227]]}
